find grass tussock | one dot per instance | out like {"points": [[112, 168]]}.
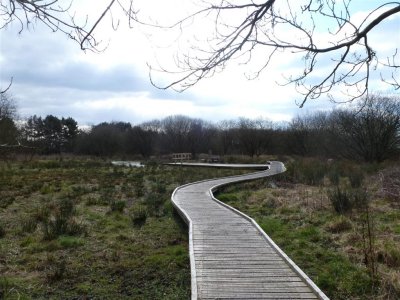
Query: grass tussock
{"points": [[390, 184]]}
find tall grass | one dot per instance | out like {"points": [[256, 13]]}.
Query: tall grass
{"points": [[59, 220]]}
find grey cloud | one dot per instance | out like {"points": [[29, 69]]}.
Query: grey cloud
{"points": [[44, 59]]}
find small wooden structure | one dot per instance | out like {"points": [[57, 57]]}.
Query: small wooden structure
{"points": [[181, 156]]}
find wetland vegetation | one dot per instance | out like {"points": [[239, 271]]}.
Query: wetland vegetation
{"points": [[82, 228], [339, 221]]}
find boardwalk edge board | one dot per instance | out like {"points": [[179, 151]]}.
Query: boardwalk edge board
{"points": [[188, 221]]}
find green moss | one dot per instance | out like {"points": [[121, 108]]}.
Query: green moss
{"points": [[84, 288], [228, 198], [70, 241]]}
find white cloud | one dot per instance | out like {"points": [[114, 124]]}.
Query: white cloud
{"points": [[53, 76]]}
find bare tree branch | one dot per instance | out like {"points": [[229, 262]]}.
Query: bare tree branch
{"points": [[292, 27], [317, 30], [8, 87], [57, 16]]}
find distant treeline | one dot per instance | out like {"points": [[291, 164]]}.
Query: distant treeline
{"points": [[369, 131]]}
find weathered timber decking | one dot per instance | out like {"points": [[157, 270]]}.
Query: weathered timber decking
{"points": [[231, 257]]}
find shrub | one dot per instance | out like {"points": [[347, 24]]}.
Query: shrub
{"points": [[334, 176], [360, 199], [138, 183], [160, 188], [2, 231], [341, 200], [390, 179], [270, 203], [356, 178], [56, 268], [47, 189], [50, 164], [6, 201], [153, 202], [42, 213], [5, 288], [29, 224], [313, 175], [310, 172], [168, 208], [106, 195], [339, 225], [138, 216], [92, 200], [227, 198], [389, 255], [117, 206], [61, 221]]}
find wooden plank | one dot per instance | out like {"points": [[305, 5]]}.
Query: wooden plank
{"points": [[256, 277]]}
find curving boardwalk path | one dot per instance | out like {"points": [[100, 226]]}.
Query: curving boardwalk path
{"points": [[230, 255]]}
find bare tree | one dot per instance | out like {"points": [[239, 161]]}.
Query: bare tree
{"points": [[308, 134], [8, 114], [176, 130], [254, 135], [226, 136], [372, 130], [320, 32], [8, 107]]}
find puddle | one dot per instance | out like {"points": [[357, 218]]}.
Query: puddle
{"points": [[135, 164]]}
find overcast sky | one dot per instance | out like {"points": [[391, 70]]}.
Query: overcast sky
{"points": [[53, 76]]}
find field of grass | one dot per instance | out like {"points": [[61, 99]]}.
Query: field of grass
{"points": [[338, 221], [81, 229]]}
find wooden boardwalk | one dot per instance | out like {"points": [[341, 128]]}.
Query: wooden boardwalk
{"points": [[230, 255]]}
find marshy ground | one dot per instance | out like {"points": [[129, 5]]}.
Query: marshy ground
{"points": [[82, 228]]}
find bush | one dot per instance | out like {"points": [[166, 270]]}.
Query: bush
{"points": [[153, 202], [5, 288], [138, 183], [29, 224], [341, 200], [356, 178], [117, 206], [334, 176], [61, 221], [226, 198], [340, 225], [56, 268], [92, 200], [310, 172], [106, 195], [5, 201], [138, 216], [314, 175], [160, 188], [390, 179], [48, 188], [360, 199], [2, 231]]}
